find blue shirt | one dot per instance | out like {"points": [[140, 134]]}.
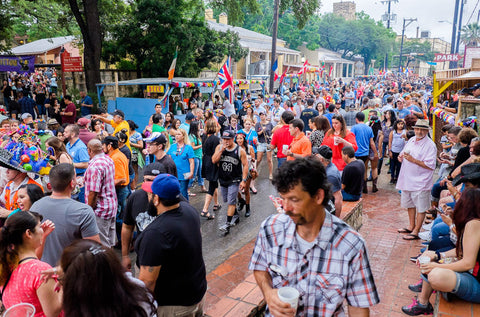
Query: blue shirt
{"points": [[329, 116], [86, 110], [181, 158], [363, 134], [401, 114], [27, 105], [185, 126], [334, 178], [78, 152]]}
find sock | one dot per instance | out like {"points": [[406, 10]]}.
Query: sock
{"points": [[229, 218]]}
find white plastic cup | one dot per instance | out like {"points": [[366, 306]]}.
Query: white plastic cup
{"points": [[20, 310], [336, 140], [185, 175], [423, 260], [289, 295], [285, 147]]}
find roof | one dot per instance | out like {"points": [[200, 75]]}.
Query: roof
{"points": [[250, 39], [329, 56], [158, 81], [42, 46], [475, 74]]}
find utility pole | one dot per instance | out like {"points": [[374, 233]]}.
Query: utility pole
{"points": [[274, 45], [401, 45], [459, 30], [389, 17], [454, 31]]}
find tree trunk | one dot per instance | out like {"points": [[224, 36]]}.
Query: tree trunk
{"points": [[89, 23]]}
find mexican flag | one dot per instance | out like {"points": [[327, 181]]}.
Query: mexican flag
{"points": [[171, 71]]}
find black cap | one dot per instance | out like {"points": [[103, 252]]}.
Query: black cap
{"points": [[118, 112], [154, 169], [111, 140], [228, 134], [324, 151]]}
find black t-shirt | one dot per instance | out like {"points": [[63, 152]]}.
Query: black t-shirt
{"points": [[462, 155], [169, 164], [137, 202], [352, 177], [126, 151], [173, 240], [307, 114]]}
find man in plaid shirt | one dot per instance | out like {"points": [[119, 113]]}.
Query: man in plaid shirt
{"points": [[100, 191], [311, 250]]}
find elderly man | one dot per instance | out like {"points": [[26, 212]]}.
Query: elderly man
{"points": [[416, 177], [100, 191], [310, 250]]}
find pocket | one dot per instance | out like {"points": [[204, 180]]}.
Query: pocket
{"points": [[331, 286]]}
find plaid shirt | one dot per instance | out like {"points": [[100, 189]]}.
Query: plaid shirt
{"points": [[99, 178], [334, 268]]}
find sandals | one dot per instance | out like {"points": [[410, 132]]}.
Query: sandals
{"points": [[207, 215], [410, 237], [217, 207], [404, 230], [253, 190]]}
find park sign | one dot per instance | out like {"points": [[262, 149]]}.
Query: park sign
{"points": [[70, 63], [447, 58], [19, 64]]}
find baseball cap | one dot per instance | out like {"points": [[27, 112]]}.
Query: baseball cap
{"points": [[83, 122], [156, 137], [111, 140], [228, 134], [324, 151], [25, 116], [118, 113], [165, 186], [189, 116], [154, 169]]}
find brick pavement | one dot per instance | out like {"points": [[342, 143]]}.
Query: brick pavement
{"points": [[232, 290]]}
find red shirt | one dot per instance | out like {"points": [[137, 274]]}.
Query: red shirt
{"points": [[70, 108], [337, 149], [280, 137]]}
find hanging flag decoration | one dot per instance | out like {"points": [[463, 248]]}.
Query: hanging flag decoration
{"points": [[226, 79], [274, 69], [304, 68], [171, 71], [330, 72]]}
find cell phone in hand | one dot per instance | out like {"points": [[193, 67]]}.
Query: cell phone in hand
{"points": [[440, 210]]}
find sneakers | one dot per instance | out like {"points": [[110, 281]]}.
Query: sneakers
{"points": [[427, 226], [417, 288], [425, 235], [225, 229], [416, 309], [235, 220]]}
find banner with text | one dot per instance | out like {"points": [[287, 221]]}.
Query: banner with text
{"points": [[19, 64], [447, 58]]}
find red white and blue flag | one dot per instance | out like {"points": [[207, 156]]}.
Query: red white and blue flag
{"points": [[226, 79], [274, 69]]}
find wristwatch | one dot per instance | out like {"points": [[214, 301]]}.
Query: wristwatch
{"points": [[245, 179]]}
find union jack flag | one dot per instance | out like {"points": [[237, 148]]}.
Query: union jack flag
{"points": [[226, 79]]}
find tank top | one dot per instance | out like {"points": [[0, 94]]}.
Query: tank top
{"points": [[398, 142], [230, 167]]}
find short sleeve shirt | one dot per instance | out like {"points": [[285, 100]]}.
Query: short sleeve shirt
{"points": [[119, 127], [121, 166], [181, 158], [333, 269], [334, 178], [78, 152]]}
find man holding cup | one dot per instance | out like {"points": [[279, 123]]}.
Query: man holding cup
{"points": [[310, 250], [416, 177]]}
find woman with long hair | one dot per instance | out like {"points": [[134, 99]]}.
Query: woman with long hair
{"points": [[241, 140], [210, 170], [264, 130], [97, 127], [250, 115], [462, 277], [338, 137], [396, 142], [320, 108], [389, 119], [251, 137], [57, 151], [136, 143], [112, 293], [169, 118], [319, 125], [27, 195], [196, 142], [20, 241], [174, 129], [182, 154], [374, 123]]}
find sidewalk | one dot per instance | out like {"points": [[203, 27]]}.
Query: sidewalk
{"points": [[232, 290]]}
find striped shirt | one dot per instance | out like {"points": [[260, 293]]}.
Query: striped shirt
{"points": [[335, 267], [99, 178]]}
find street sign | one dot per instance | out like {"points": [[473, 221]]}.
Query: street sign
{"points": [[447, 57], [70, 63]]}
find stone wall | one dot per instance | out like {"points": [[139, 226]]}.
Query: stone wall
{"points": [[345, 9]]}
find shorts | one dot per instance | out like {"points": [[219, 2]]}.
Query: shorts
{"points": [[230, 193], [41, 110], [362, 158], [467, 287], [106, 229], [416, 199], [263, 147]]}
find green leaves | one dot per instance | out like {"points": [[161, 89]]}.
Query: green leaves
{"points": [[470, 34]]}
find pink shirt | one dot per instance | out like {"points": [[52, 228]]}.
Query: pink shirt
{"points": [[413, 177], [23, 284]]}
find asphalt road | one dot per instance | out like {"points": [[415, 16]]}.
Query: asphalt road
{"points": [[216, 247]]}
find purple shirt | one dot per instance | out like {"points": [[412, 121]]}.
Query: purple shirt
{"points": [[413, 177]]}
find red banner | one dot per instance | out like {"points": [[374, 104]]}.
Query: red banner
{"points": [[71, 64], [447, 57]]}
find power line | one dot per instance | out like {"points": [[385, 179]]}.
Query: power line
{"points": [[473, 11]]}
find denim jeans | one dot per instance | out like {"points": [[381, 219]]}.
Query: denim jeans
{"points": [[197, 172], [436, 190], [281, 160], [349, 197], [184, 188], [122, 193]]}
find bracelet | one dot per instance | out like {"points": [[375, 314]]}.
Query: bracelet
{"points": [[438, 255]]}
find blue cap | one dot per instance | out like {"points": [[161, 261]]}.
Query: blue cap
{"points": [[165, 186]]}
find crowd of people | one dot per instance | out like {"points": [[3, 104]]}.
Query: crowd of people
{"points": [[100, 181]]}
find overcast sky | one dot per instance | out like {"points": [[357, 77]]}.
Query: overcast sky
{"points": [[427, 12]]}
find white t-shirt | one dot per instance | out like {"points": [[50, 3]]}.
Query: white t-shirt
{"points": [[228, 108]]}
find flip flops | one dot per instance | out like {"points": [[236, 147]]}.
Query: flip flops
{"points": [[404, 230], [410, 237], [207, 215], [217, 207]]}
